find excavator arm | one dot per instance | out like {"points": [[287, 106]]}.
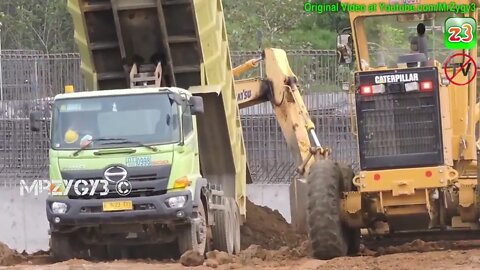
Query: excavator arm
{"points": [[280, 87]]}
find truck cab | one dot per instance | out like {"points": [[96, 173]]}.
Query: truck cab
{"points": [[126, 162]]}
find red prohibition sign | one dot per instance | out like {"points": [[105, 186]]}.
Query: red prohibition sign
{"points": [[470, 59]]}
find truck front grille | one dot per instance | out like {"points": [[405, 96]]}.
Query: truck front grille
{"points": [[145, 181]]}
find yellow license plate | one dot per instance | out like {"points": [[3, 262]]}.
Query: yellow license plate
{"points": [[117, 206]]}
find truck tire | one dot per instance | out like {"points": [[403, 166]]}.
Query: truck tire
{"points": [[329, 237], [192, 239], [63, 248], [222, 231], [236, 226], [98, 252], [117, 252]]}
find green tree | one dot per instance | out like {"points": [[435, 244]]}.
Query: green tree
{"points": [[36, 25], [46, 25], [283, 24]]}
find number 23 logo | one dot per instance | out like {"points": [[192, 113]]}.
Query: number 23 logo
{"points": [[454, 32]]}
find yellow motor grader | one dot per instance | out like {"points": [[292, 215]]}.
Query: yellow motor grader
{"points": [[415, 116]]}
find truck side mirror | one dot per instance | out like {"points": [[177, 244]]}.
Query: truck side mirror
{"points": [[35, 120], [196, 104]]}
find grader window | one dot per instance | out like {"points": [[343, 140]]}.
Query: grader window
{"points": [[389, 37]]}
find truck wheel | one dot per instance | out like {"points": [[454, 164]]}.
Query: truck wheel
{"points": [[116, 252], [62, 247], [236, 225], [354, 236], [329, 237], [194, 237], [222, 231], [98, 252]]}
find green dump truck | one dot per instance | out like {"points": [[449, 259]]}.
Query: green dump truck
{"points": [[154, 139]]}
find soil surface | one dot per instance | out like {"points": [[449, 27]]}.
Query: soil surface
{"points": [[270, 243], [267, 228]]}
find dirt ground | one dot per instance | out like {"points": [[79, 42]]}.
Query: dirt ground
{"points": [[270, 243]]}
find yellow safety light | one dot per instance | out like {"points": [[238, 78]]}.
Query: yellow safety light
{"points": [[182, 182], [69, 88], [71, 136]]}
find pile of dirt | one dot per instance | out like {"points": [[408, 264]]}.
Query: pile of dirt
{"points": [[414, 246], [267, 228], [417, 245], [9, 257], [253, 255]]}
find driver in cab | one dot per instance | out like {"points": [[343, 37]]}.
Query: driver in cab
{"points": [[79, 128]]}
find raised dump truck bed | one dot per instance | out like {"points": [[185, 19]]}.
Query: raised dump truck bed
{"points": [[188, 38]]}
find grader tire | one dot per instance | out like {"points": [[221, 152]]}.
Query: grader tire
{"points": [[347, 176], [329, 237], [353, 234]]}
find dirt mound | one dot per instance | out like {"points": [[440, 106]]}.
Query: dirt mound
{"points": [[267, 228], [420, 246], [9, 257], [254, 255]]}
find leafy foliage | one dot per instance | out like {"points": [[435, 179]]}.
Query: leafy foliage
{"points": [[46, 25], [283, 24], [36, 25]]}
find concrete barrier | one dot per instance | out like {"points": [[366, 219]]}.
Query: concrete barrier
{"points": [[274, 196], [24, 225]]}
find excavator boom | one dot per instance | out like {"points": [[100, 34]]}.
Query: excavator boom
{"points": [[280, 87]]}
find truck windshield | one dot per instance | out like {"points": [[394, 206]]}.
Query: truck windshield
{"points": [[390, 36], [133, 120]]}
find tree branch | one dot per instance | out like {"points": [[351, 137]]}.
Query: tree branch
{"points": [[39, 38]]}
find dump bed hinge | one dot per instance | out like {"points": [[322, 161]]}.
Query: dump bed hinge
{"points": [[146, 76]]}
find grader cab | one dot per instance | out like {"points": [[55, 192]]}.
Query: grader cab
{"points": [[415, 116]]}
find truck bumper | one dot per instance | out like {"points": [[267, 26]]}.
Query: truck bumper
{"points": [[89, 212]]}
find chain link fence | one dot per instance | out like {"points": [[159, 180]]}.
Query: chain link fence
{"points": [[32, 79]]}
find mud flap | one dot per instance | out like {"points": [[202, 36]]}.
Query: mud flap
{"points": [[200, 183], [298, 205]]}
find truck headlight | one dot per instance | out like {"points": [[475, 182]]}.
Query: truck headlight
{"points": [[176, 202], [59, 208]]}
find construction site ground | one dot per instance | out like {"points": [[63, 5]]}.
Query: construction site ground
{"points": [[270, 243]]}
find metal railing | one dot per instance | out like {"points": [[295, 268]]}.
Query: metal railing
{"points": [[31, 79]]}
